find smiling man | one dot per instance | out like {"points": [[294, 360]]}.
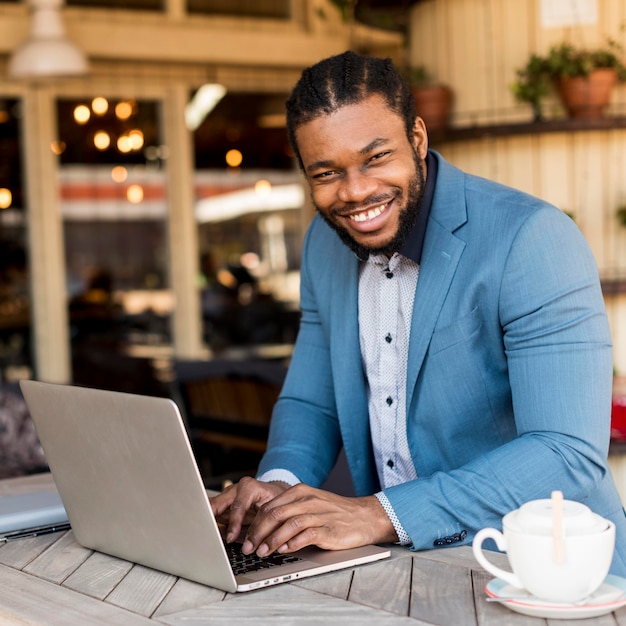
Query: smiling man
{"points": [[453, 340]]}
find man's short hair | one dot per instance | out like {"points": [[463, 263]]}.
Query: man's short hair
{"points": [[344, 79]]}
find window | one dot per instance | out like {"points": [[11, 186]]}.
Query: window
{"points": [[249, 200], [15, 309], [114, 206]]}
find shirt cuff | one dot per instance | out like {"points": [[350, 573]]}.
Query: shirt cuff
{"points": [[403, 537], [281, 475]]}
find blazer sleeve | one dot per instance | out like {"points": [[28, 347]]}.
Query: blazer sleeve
{"points": [[304, 435], [559, 357]]}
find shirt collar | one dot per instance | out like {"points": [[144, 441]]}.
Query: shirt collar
{"points": [[412, 247]]}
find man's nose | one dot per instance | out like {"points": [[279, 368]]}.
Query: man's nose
{"points": [[356, 186]]}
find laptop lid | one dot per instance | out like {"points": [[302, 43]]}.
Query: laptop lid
{"points": [[127, 476]]}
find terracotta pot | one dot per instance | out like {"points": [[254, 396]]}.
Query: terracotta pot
{"points": [[587, 96], [433, 104]]}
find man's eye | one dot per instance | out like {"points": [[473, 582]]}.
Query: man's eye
{"points": [[380, 155], [325, 174]]}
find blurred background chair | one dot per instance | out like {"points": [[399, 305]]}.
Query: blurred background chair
{"points": [[227, 405]]}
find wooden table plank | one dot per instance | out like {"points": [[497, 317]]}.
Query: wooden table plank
{"points": [[461, 555], [142, 590], [61, 559], [620, 617], [29, 601], [285, 605], [441, 593], [186, 594], [384, 585], [336, 584], [98, 575], [20, 552]]}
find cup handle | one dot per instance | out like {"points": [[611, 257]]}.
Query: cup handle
{"points": [[498, 537]]}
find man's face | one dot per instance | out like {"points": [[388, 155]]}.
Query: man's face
{"points": [[366, 177]]}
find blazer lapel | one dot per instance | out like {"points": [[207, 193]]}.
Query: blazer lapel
{"points": [[350, 389], [440, 258]]}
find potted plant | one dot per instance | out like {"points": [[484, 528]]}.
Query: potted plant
{"points": [[583, 78], [433, 100], [532, 85]]}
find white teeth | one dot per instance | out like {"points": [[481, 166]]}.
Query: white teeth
{"points": [[368, 215]]}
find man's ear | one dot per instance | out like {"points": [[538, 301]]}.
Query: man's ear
{"points": [[420, 137]]}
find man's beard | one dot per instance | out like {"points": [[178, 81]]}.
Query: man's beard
{"points": [[408, 217]]}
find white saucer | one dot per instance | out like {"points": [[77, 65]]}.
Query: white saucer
{"points": [[600, 602]]}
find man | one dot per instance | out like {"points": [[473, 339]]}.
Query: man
{"points": [[453, 340]]}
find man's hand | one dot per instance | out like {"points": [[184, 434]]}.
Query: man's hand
{"points": [[238, 504], [300, 516]]}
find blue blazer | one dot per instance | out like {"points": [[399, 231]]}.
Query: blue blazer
{"points": [[509, 371]]}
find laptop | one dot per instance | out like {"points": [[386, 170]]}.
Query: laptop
{"points": [[30, 512], [129, 482]]}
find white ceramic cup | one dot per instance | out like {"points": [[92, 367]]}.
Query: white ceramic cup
{"points": [[567, 572]]}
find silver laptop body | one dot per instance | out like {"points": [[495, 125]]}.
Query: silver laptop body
{"points": [[129, 482]]}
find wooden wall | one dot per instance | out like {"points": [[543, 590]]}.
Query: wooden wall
{"points": [[475, 46]]}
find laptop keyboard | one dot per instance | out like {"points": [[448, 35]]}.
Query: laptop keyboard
{"points": [[245, 563]]}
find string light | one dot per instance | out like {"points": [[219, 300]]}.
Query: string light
{"points": [[136, 139], [119, 174], [234, 158], [263, 187], [82, 114], [99, 105], [134, 194], [58, 147], [124, 144], [123, 110], [6, 198], [101, 140]]}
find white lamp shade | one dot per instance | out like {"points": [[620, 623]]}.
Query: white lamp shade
{"points": [[50, 57], [47, 52]]}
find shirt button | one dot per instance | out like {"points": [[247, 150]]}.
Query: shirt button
{"points": [[388, 338], [389, 401], [390, 463], [389, 274]]}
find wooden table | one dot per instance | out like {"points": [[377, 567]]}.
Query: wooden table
{"points": [[51, 580]]}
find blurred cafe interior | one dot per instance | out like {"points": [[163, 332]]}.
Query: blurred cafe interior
{"points": [[152, 214]]}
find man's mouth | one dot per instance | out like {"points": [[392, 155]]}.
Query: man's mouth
{"points": [[370, 214]]}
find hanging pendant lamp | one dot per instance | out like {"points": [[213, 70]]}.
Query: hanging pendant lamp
{"points": [[47, 52]]}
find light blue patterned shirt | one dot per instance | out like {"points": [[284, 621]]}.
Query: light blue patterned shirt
{"points": [[386, 295]]}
